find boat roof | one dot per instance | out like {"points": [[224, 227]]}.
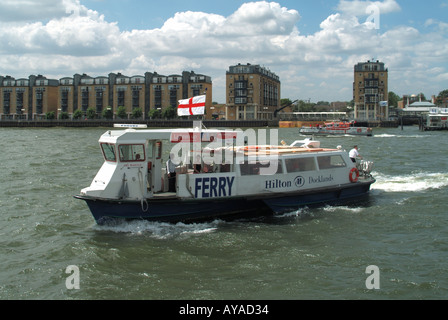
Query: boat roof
{"points": [[207, 135], [175, 135]]}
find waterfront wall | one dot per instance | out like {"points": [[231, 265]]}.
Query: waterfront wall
{"points": [[149, 123]]}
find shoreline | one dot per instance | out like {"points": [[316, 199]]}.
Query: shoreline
{"points": [[164, 123]]}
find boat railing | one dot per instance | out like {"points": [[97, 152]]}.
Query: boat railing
{"points": [[365, 168]]}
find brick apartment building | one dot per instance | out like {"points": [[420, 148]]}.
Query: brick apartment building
{"points": [[32, 98], [370, 89], [252, 93]]}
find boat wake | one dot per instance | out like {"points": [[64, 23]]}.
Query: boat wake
{"points": [[159, 230], [302, 213], [343, 208], [386, 135], [410, 183]]}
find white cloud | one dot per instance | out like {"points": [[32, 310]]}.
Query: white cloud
{"points": [[360, 8], [69, 38]]}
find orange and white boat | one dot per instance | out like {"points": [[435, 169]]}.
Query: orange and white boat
{"points": [[337, 128]]}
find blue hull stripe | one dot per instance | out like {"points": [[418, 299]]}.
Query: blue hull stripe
{"points": [[177, 210]]}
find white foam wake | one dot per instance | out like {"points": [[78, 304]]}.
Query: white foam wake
{"points": [[160, 230], [410, 183], [388, 135]]}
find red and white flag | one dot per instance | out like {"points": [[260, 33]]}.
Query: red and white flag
{"points": [[192, 106]]}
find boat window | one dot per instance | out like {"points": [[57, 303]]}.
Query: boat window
{"points": [[109, 152], [329, 162], [132, 152], [159, 150], [253, 169], [300, 164]]}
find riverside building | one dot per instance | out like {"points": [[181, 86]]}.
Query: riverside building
{"points": [[370, 91], [27, 98], [252, 93], [34, 97]]}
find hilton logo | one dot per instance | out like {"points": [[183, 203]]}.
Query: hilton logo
{"points": [[279, 184], [299, 181]]}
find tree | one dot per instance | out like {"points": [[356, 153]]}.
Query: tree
{"points": [[121, 113], [305, 106], [91, 113], [393, 99], [442, 97], [107, 113], [285, 102], [155, 114], [50, 115], [169, 113], [64, 116], [77, 114], [137, 113]]}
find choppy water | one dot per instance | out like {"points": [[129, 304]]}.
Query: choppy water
{"points": [[309, 254]]}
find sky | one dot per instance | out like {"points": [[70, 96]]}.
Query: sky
{"points": [[312, 46]]}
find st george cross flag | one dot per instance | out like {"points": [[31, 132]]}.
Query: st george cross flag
{"points": [[192, 106]]}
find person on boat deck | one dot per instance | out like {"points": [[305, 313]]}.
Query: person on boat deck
{"points": [[197, 165], [171, 171], [354, 153]]}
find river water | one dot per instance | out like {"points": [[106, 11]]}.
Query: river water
{"points": [[319, 253]]}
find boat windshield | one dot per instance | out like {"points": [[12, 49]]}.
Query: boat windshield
{"points": [[109, 152], [132, 152]]}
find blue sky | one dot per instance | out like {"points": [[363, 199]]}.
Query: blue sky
{"points": [[144, 14], [311, 45]]}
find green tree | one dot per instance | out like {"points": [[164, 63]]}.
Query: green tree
{"points": [[137, 113], [393, 99], [169, 113], [91, 113], [50, 115], [155, 114], [108, 113], [442, 97], [64, 116], [305, 106], [77, 114], [121, 113]]}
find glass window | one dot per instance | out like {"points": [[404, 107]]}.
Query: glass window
{"points": [[109, 152], [300, 164], [329, 162], [132, 152], [253, 169]]}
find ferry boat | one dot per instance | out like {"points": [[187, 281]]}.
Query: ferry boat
{"points": [[435, 119], [337, 128], [229, 180]]}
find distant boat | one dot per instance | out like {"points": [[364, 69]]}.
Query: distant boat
{"points": [[436, 119], [133, 181], [337, 128]]}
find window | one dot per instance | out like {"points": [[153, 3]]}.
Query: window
{"points": [[329, 162], [253, 169], [300, 164], [109, 152], [132, 152]]}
